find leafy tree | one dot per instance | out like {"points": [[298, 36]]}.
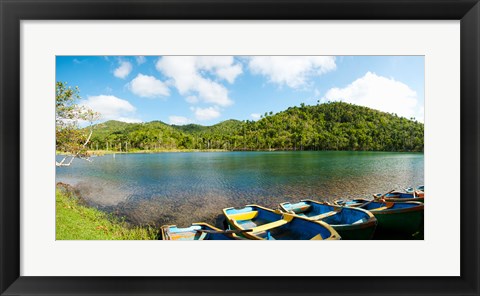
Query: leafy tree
{"points": [[70, 139]]}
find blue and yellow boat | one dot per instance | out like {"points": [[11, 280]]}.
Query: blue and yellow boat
{"points": [[267, 224], [395, 219], [350, 223], [197, 231]]}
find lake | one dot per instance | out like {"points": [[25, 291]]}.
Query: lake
{"points": [[181, 188]]}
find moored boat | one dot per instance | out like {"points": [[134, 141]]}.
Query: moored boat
{"points": [[197, 231], [397, 196], [353, 203], [420, 188], [350, 223], [267, 224], [395, 220]]}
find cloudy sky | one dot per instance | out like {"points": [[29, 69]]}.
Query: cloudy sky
{"points": [[209, 89]]}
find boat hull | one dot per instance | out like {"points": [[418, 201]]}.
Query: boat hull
{"points": [[350, 223], [364, 232], [402, 197], [414, 199], [400, 221], [398, 225], [404, 220]]}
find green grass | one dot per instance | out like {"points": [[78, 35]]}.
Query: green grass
{"points": [[78, 222]]}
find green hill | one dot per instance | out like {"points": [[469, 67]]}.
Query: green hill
{"points": [[329, 126], [108, 127], [190, 128]]}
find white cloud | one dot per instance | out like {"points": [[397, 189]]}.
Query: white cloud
{"points": [[111, 108], [123, 70], [206, 113], [148, 87], [178, 120], [140, 60], [381, 93], [255, 116], [229, 73], [293, 71], [191, 99], [224, 67], [192, 75]]}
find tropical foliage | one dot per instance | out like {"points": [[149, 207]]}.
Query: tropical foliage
{"points": [[329, 126]]}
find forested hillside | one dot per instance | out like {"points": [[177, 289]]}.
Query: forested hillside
{"points": [[329, 126]]}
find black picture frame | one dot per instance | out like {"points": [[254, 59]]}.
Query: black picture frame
{"points": [[13, 11]]}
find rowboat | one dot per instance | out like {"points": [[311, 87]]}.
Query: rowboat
{"points": [[268, 224], [350, 223], [397, 196], [420, 188], [395, 219], [197, 231], [353, 203]]}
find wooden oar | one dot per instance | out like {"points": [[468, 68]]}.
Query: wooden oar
{"points": [[383, 195], [223, 231], [375, 198]]}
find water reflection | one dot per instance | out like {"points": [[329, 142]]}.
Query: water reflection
{"points": [[180, 188]]}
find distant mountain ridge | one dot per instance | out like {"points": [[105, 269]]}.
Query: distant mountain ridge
{"points": [[329, 126]]}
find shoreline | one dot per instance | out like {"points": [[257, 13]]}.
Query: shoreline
{"points": [[75, 220], [110, 152]]}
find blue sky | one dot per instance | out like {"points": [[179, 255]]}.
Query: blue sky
{"points": [[209, 89]]}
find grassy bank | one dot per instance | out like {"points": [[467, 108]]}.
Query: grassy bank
{"points": [[75, 221]]}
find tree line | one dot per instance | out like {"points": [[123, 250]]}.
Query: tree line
{"points": [[327, 126]]}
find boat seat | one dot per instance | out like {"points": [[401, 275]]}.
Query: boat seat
{"points": [[388, 206], [270, 225], [379, 209], [244, 216], [323, 216], [317, 237]]}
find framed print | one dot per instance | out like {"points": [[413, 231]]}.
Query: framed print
{"points": [[239, 121]]}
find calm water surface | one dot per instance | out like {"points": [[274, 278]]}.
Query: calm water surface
{"points": [[181, 188]]}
